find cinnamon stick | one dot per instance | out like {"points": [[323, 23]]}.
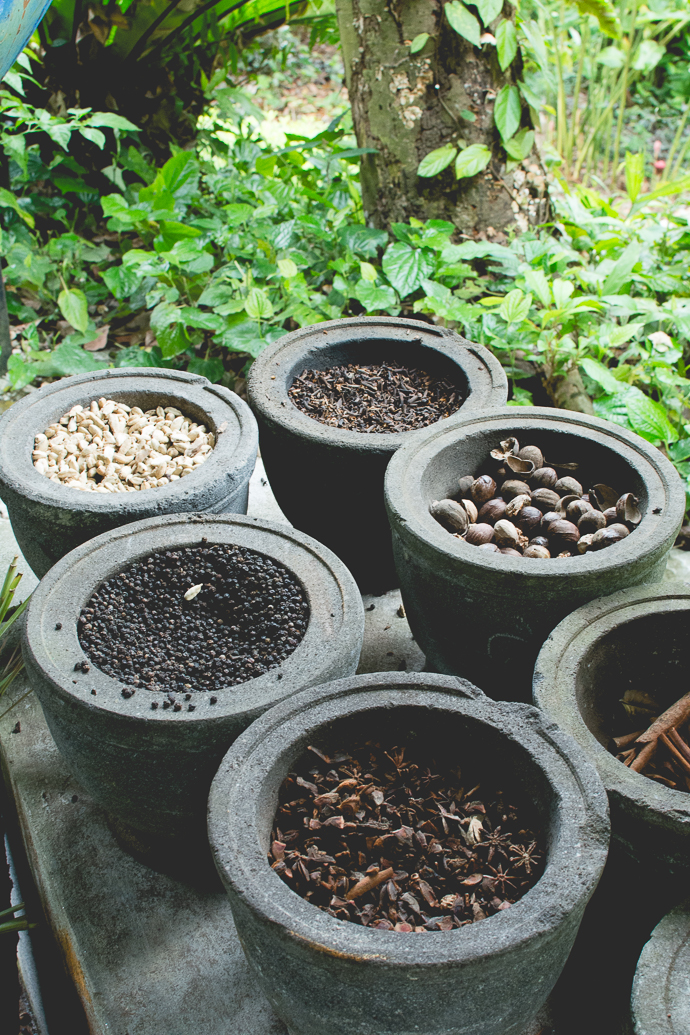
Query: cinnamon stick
{"points": [[646, 755], [675, 737], [622, 742], [675, 752], [368, 883], [674, 716]]}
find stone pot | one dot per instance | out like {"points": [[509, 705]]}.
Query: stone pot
{"points": [[329, 481], [633, 639], [660, 1003], [49, 520], [485, 615], [152, 769], [322, 974]]}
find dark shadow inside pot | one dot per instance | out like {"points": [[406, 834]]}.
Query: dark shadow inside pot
{"points": [[651, 655], [484, 755], [372, 351], [469, 454]]}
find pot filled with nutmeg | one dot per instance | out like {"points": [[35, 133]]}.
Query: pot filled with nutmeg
{"points": [[507, 523], [89, 453]]}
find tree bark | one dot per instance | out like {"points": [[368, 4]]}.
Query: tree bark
{"points": [[406, 105]]}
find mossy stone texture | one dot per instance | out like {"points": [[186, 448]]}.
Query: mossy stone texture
{"points": [[49, 520], [322, 974], [660, 1003], [329, 481], [153, 769], [484, 615]]}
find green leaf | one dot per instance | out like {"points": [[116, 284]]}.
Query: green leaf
{"points": [[212, 368], [74, 308], [506, 43], [489, 10], [192, 317], [520, 146], [217, 294], [122, 281], [375, 298], [287, 268], [93, 135], [472, 160], [515, 306], [507, 111], [604, 13], [648, 419], [237, 214], [112, 121], [164, 314], [133, 356], [19, 373], [648, 56], [258, 305], [419, 42], [436, 161], [406, 266], [611, 57], [622, 271], [536, 280], [172, 339], [634, 173], [464, 23], [603, 376], [680, 450], [368, 272], [363, 240], [180, 174], [70, 358], [265, 164], [674, 187], [8, 200]]}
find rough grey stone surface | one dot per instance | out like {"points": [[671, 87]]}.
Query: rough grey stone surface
{"points": [[49, 519], [329, 481], [483, 615], [661, 990], [152, 769], [326, 975]]}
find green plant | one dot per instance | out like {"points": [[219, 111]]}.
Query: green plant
{"points": [[11, 666]]}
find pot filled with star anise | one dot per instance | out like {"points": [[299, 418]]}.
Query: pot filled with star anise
{"points": [[402, 853]]}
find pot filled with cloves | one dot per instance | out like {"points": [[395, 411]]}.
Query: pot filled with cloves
{"points": [[505, 524]]}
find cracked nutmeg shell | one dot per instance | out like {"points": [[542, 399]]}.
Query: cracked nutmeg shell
{"points": [[449, 514], [471, 509], [483, 488], [479, 534], [627, 509], [516, 505], [505, 534], [534, 455]]}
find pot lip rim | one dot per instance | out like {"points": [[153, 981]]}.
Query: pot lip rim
{"points": [[268, 397], [553, 689], [288, 677], [277, 904], [650, 990], [18, 474], [414, 521]]}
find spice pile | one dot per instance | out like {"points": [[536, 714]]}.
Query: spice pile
{"points": [[527, 508], [194, 619], [383, 839], [375, 398], [111, 447], [661, 751]]}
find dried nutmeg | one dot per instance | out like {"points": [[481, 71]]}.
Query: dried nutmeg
{"points": [[449, 514], [592, 521], [533, 454], [564, 501], [611, 515], [492, 511], [605, 537], [545, 499], [510, 552], [512, 487], [627, 509], [576, 509], [540, 552], [529, 519], [539, 540], [548, 519], [505, 533], [465, 484], [471, 510], [483, 489], [584, 542], [479, 533], [562, 535], [568, 486], [543, 478], [516, 505], [489, 547], [622, 530]]}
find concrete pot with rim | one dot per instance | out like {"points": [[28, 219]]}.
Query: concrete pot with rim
{"points": [[49, 520], [484, 615], [329, 481], [152, 769], [322, 974], [660, 1004]]}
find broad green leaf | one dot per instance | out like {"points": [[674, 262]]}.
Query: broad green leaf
{"points": [[180, 174], [515, 306], [375, 298], [648, 419], [603, 376], [122, 281], [8, 200], [622, 271], [93, 135], [620, 335], [133, 356], [74, 307], [535, 40], [287, 268], [604, 13], [648, 56], [436, 161], [368, 272], [19, 373], [419, 42], [634, 173], [507, 111], [464, 23], [506, 43], [112, 121], [69, 358], [164, 314], [257, 305], [172, 231], [536, 280], [680, 450], [237, 214], [363, 240], [489, 10], [611, 57], [674, 187], [217, 294], [520, 146], [562, 290], [405, 266], [472, 160], [265, 164], [193, 317], [172, 340], [212, 368]]}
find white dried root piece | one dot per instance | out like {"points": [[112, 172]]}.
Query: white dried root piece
{"points": [[111, 447]]}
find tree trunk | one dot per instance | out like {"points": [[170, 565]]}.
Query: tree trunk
{"points": [[406, 105]]}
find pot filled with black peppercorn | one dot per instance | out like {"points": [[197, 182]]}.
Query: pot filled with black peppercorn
{"points": [[504, 525], [153, 646], [334, 401], [403, 854], [95, 451]]}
